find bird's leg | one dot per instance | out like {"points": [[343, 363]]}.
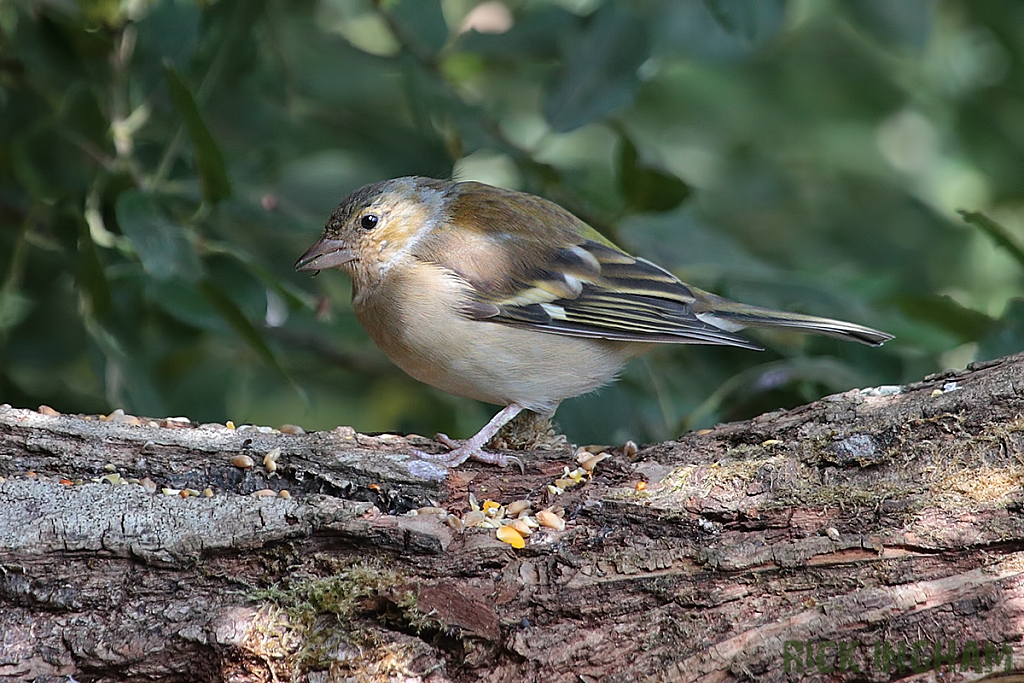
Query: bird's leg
{"points": [[474, 446]]}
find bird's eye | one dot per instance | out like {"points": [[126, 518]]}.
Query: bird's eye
{"points": [[369, 221]]}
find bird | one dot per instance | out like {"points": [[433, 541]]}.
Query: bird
{"points": [[505, 297]]}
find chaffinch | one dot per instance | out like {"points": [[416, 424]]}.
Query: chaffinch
{"points": [[508, 298]]}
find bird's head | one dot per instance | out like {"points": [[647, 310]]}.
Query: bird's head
{"points": [[376, 225]]}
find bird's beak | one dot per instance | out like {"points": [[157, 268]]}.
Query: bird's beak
{"points": [[326, 253]]}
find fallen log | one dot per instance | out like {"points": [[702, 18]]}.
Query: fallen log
{"points": [[873, 535]]}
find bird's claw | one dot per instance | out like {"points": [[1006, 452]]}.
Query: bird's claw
{"points": [[468, 451], [447, 440]]}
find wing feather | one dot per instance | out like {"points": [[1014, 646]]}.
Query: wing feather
{"points": [[638, 302], [529, 263]]}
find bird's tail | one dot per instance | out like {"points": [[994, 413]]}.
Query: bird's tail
{"points": [[732, 316]]}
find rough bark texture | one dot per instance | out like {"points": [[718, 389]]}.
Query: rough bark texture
{"points": [[873, 535]]}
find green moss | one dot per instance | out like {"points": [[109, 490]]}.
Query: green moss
{"points": [[341, 593], [327, 613]]}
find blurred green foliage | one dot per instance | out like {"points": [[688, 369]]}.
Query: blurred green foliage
{"points": [[162, 164]]}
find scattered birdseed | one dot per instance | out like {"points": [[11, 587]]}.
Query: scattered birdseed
{"points": [[291, 429], [515, 507], [48, 411], [473, 518], [243, 462], [551, 520], [170, 492], [511, 536], [641, 485], [256, 428], [629, 449], [208, 492], [119, 417], [270, 459], [770, 442], [588, 462], [455, 523], [264, 492], [504, 519], [148, 484], [522, 527], [530, 521]]}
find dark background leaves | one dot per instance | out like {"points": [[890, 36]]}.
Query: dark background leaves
{"points": [[160, 171]]}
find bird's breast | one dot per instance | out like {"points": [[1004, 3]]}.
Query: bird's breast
{"points": [[413, 316]]}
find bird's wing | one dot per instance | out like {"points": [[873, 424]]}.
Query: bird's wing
{"points": [[622, 298], [529, 263]]}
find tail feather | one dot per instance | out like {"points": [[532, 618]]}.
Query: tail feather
{"points": [[732, 316]]}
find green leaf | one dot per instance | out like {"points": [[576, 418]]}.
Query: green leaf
{"points": [[421, 23], [736, 17], [183, 301], [942, 311], [1007, 336], [81, 115], [91, 278], [599, 69], [169, 32], [644, 187], [48, 165], [233, 316], [129, 384], [293, 296], [716, 30], [534, 36], [160, 243], [896, 23], [999, 234], [14, 307], [213, 176]]}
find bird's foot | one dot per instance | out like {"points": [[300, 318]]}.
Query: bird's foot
{"points": [[469, 450], [474, 446]]}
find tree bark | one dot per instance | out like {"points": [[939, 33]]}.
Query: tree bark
{"points": [[873, 535]]}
